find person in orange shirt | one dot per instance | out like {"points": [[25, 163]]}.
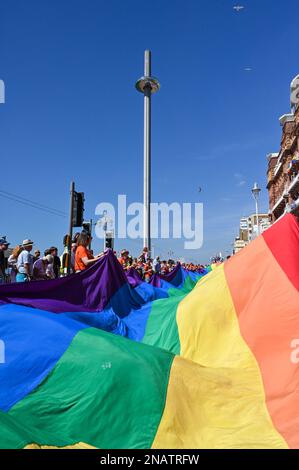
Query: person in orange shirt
{"points": [[83, 257], [124, 260]]}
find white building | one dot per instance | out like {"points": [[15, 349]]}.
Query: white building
{"points": [[250, 226]]}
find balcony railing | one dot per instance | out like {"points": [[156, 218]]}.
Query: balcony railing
{"points": [[279, 203], [277, 168], [294, 183]]}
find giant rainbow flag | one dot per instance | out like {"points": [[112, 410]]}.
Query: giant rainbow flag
{"points": [[194, 360]]}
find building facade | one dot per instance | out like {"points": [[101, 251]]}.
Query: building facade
{"points": [[249, 230], [283, 167]]}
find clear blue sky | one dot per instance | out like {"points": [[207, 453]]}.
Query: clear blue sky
{"points": [[72, 110]]}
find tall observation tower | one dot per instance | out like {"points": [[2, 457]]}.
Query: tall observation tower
{"points": [[147, 85]]}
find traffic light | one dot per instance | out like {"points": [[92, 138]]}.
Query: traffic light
{"points": [[86, 226], [78, 209]]}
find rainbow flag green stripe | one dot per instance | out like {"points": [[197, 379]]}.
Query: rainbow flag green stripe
{"points": [[105, 390], [161, 328]]}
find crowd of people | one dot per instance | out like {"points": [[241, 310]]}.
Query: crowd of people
{"points": [[147, 266], [22, 265]]}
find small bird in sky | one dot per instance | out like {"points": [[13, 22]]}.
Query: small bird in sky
{"points": [[238, 8]]}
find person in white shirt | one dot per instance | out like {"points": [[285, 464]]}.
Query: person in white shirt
{"points": [[25, 262], [50, 270], [12, 262]]}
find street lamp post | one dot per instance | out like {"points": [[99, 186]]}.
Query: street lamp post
{"points": [[256, 193], [70, 234], [147, 85]]}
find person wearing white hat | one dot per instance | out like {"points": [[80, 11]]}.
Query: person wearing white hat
{"points": [[25, 262]]}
